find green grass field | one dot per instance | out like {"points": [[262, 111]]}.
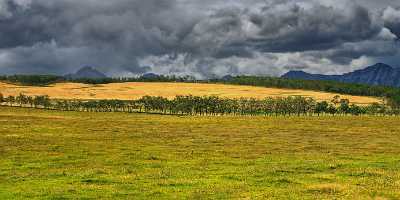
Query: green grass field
{"points": [[70, 155]]}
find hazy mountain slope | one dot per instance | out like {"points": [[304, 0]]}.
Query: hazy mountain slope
{"points": [[378, 74], [86, 72]]}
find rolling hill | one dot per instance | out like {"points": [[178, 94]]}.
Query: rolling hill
{"points": [[136, 90]]}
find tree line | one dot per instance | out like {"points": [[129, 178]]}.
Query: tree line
{"points": [[392, 94], [207, 106], [32, 80], [44, 80]]}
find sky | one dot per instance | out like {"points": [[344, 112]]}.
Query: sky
{"points": [[207, 38]]}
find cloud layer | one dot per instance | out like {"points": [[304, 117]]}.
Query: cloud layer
{"points": [[189, 37]]}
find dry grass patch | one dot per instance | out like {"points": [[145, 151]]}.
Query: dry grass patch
{"points": [[128, 91], [330, 188]]}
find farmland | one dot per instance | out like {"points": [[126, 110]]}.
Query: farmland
{"points": [[135, 90], [143, 156]]}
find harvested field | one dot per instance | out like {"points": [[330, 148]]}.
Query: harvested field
{"points": [[128, 91]]}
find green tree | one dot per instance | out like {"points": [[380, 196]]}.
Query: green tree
{"points": [[10, 99], [332, 109], [394, 101], [344, 107], [29, 100], [356, 110], [321, 107], [21, 99]]}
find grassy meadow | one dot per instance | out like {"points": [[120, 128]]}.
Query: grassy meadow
{"points": [[71, 155], [130, 91]]}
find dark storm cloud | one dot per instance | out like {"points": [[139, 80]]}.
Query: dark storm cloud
{"points": [[121, 36], [318, 28], [391, 17], [22, 27], [280, 28], [120, 30]]}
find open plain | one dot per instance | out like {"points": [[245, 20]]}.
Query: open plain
{"points": [[74, 155]]}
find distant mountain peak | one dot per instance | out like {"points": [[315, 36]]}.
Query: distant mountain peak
{"points": [[378, 74], [150, 75], [379, 66], [86, 68], [297, 72], [227, 77], [86, 72], [382, 65]]}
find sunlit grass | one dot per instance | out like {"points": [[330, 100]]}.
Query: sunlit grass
{"points": [[128, 91], [63, 155]]}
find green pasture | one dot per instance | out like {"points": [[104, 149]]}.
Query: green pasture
{"points": [[74, 155]]}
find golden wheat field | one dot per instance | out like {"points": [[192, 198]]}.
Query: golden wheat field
{"points": [[130, 91]]}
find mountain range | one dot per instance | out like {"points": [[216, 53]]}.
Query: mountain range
{"points": [[378, 74]]}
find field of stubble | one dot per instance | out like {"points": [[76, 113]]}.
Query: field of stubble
{"points": [[129, 91]]}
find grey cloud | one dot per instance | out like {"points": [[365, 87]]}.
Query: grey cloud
{"points": [[295, 67], [122, 30], [216, 35], [281, 28], [347, 52], [4, 12], [297, 29], [391, 17]]}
